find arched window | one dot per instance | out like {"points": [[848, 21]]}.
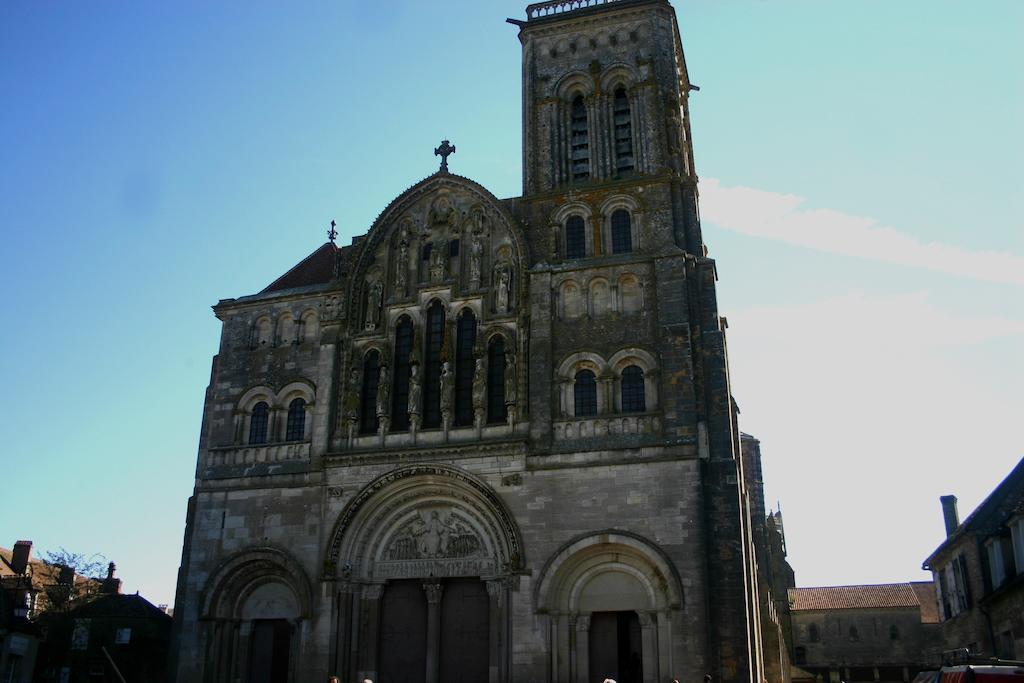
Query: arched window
{"points": [[464, 366], [894, 632], [622, 232], [579, 155], [296, 426], [496, 410], [258, 423], [585, 394], [368, 423], [400, 387], [633, 400], [813, 633], [432, 366], [623, 132], [427, 248], [262, 332], [575, 237], [854, 634]]}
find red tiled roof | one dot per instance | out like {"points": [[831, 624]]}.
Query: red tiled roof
{"points": [[854, 597], [315, 269]]}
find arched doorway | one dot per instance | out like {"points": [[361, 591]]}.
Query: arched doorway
{"points": [[255, 607], [424, 555], [611, 598]]}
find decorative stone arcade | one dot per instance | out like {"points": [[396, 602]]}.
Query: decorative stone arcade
{"points": [[422, 559]]}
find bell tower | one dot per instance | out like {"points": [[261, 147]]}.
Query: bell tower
{"points": [[605, 100]]}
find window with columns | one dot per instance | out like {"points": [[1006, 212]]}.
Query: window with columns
{"points": [[579, 159], [400, 389], [432, 366], [633, 398], [295, 428], [496, 410], [622, 232], [368, 423], [464, 367], [258, 423], [575, 237], [623, 132], [585, 394]]}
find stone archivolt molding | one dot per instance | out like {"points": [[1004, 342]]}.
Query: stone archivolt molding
{"points": [[423, 520], [237, 577]]}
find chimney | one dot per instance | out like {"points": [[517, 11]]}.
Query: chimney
{"points": [[110, 584], [21, 556], [949, 514], [66, 577]]}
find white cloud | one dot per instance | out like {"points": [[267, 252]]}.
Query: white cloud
{"points": [[779, 217], [868, 409]]}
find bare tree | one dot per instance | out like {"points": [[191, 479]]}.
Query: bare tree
{"points": [[72, 578]]}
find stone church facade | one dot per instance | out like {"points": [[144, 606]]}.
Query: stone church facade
{"points": [[493, 439]]}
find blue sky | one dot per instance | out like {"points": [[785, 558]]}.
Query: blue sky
{"points": [[159, 156]]}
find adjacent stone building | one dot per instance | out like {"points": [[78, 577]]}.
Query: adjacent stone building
{"points": [[493, 439], [979, 573], [864, 634]]}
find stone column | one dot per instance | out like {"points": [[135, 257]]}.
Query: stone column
{"points": [[495, 593], [582, 648], [371, 629], [433, 591], [665, 663], [649, 645]]}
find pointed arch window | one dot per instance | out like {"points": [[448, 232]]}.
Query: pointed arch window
{"points": [[623, 132], [464, 366], [496, 409], [258, 422], [585, 394], [575, 237], [622, 232], [368, 423], [295, 428], [432, 365], [633, 399], [404, 332], [579, 155]]}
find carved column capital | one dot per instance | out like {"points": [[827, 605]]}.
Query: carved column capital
{"points": [[433, 591], [495, 588], [647, 619], [373, 591], [583, 623]]}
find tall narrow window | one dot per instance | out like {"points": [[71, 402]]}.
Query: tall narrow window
{"points": [[496, 411], [464, 367], [633, 399], [296, 427], [432, 366], [371, 382], [400, 392], [623, 132], [575, 237], [585, 394], [579, 155], [622, 232], [813, 633], [258, 423]]}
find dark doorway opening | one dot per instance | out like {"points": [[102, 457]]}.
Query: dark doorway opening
{"points": [[465, 632], [615, 647], [271, 647], [403, 633]]}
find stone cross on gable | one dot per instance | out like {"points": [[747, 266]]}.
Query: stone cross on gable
{"points": [[332, 234], [444, 151]]}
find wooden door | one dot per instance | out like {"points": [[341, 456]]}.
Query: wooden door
{"points": [[465, 632], [402, 654]]}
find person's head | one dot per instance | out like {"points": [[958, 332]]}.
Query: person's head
{"points": [[707, 678], [608, 680], [333, 679]]}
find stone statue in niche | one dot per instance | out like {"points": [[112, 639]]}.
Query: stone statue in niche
{"points": [[510, 378], [402, 265], [351, 402], [383, 394], [439, 260], [415, 390], [333, 308], [502, 284], [447, 382], [442, 213], [479, 387], [373, 301], [476, 253]]}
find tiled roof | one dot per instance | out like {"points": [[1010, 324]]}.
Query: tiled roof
{"points": [[42, 573], [120, 605], [315, 269], [854, 597]]}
